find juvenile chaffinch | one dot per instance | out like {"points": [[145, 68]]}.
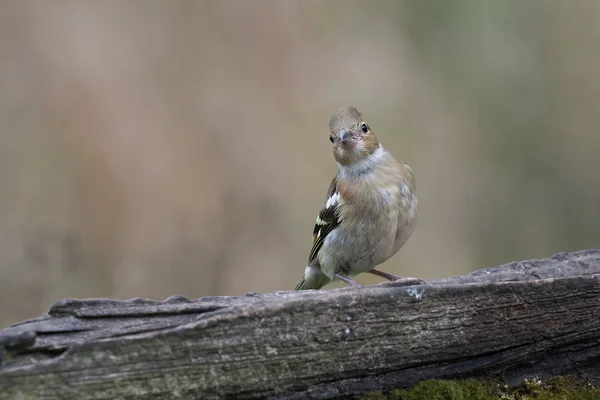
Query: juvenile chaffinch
{"points": [[370, 210]]}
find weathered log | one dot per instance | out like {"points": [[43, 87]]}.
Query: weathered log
{"points": [[519, 320]]}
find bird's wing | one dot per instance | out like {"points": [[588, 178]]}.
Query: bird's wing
{"points": [[327, 220]]}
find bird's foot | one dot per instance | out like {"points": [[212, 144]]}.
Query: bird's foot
{"points": [[398, 280]]}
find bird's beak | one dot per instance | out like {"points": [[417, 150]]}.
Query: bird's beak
{"points": [[345, 135]]}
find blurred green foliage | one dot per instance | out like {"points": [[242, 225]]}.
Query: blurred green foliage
{"points": [[181, 147]]}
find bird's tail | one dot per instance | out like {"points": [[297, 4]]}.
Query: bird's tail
{"points": [[300, 285], [314, 280], [306, 285]]}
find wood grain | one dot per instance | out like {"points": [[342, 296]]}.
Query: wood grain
{"points": [[523, 319]]}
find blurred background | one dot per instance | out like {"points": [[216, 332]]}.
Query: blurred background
{"points": [[153, 148]]}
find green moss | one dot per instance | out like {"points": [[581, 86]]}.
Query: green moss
{"points": [[560, 388], [470, 389]]}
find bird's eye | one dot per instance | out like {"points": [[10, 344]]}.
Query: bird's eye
{"points": [[364, 127], [331, 138]]}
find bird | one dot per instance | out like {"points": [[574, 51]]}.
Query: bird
{"points": [[370, 209]]}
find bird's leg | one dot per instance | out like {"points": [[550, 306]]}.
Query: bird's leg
{"points": [[385, 275], [396, 278], [349, 281]]}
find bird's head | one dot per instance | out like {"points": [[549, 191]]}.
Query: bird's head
{"points": [[351, 136]]}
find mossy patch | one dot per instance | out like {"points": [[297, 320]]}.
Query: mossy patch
{"points": [[560, 388]]}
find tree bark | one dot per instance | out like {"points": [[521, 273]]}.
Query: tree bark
{"points": [[515, 321]]}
